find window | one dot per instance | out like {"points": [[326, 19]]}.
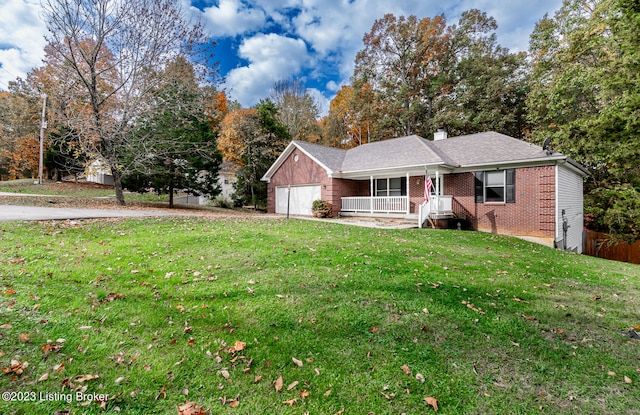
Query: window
{"points": [[496, 186], [396, 186]]}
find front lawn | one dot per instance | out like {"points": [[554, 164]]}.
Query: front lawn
{"points": [[264, 316]]}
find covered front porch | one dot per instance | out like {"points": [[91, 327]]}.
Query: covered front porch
{"points": [[396, 196]]}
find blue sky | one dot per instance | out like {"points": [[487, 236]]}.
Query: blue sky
{"points": [[262, 41]]}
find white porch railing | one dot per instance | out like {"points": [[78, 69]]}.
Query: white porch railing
{"points": [[437, 205], [376, 204]]}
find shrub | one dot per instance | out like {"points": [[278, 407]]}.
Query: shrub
{"points": [[321, 209]]}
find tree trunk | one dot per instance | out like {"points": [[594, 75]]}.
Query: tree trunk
{"points": [[171, 196], [117, 186]]}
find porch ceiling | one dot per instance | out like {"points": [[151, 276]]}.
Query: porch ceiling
{"points": [[394, 172]]}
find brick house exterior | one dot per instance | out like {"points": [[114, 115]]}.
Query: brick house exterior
{"points": [[492, 182]]}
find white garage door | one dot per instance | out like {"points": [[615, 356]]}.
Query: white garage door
{"points": [[300, 200]]}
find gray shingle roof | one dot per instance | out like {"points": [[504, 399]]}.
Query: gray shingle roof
{"points": [[463, 151], [330, 157], [403, 151], [486, 148]]}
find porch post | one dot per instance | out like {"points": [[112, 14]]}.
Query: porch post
{"points": [[408, 195], [371, 194], [437, 192]]}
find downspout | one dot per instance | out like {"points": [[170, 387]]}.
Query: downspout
{"points": [[556, 208]]}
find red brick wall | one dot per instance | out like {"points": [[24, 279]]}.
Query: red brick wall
{"points": [[340, 188], [303, 171], [531, 215]]}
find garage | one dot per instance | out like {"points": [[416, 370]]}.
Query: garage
{"points": [[300, 199]]}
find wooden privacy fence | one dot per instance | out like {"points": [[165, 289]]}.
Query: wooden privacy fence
{"points": [[599, 245]]}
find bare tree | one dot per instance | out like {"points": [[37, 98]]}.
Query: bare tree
{"points": [[297, 109], [116, 51]]}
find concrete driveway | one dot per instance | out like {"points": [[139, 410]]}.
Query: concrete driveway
{"points": [[10, 212]]}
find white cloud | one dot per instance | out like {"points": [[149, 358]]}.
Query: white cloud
{"points": [[21, 39], [233, 17], [271, 58], [332, 86]]}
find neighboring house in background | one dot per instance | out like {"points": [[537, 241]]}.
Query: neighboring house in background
{"points": [[489, 181], [227, 179], [99, 172]]}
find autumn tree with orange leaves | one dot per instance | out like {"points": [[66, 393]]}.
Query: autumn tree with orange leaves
{"points": [[424, 74], [405, 60], [19, 131]]}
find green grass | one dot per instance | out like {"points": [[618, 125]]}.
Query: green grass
{"points": [[78, 190], [494, 325], [28, 187]]}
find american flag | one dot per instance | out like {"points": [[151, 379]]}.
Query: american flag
{"points": [[428, 184]]}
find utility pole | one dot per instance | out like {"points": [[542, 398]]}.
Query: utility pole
{"points": [[43, 126]]}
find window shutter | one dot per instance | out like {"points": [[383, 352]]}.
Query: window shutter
{"points": [[479, 185], [511, 186]]}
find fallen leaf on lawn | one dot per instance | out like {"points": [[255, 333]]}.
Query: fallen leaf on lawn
{"points": [[432, 402], [84, 378], [297, 362], [6, 326], [317, 371], [596, 297], [234, 403], [257, 379], [374, 329], [327, 393], [120, 379], [291, 401], [225, 373], [279, 384], [24, 337], [84, 328], [304, 393], [239, 346], [62, 412], [420, 377], [43, 377], [49, 348], [520, 300], [292, 385], [16, 367], [190, 408], [627, 380], [406, 370], [610, 373], [528, 318], [162, 394], [59, 368], [279, 295]]}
